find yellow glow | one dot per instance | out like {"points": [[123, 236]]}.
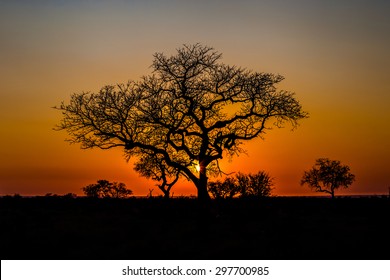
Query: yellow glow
{"points": [[347, 96]]}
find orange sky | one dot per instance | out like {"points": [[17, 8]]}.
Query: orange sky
{"points": [[333, 55]]}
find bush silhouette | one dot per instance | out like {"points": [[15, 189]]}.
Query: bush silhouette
{"points": [[226, 189], [104, 188], [242, 185]]}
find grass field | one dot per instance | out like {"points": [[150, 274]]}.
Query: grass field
{"points": [[181, 228]]}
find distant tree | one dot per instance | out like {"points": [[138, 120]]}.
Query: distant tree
{"points": [[70, 195], [104, 188], [243, 185], [327, 176], [192, 111], [226, 189], [255, 185]]}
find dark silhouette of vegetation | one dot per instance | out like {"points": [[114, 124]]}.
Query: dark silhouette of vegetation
{"points": [[104, 189], [153, 166], [192, 111], [327, 176], [70, 195], [227, 188], [277, 228], [243, 185], [255, 185]]}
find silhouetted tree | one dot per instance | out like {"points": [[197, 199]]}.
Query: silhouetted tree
{"points": [[327, 176], [70, 195], [243, 185], [153, 166], [104, 188], [192, 111], [255, 185], [226, 189]]}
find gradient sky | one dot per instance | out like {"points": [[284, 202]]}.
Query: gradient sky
{"points": [[333, 54]]}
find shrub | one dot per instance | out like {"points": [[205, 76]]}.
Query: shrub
{"points": [[104, 188], [242, 185]]}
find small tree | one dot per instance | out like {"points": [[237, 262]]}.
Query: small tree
{"points": [[243, 185], [104, 188], [226, 189], [70, 195], [255, 185], [327, 176]]}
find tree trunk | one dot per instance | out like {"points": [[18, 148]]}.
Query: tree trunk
{"points": [[201, 185], [204, 210], [166, 194], [203, 194], [166, 191]]}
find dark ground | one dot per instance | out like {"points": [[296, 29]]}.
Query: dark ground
{"points": [[272, 228]]}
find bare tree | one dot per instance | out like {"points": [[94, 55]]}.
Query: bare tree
{"points": [[191, 112], [327, 176]]}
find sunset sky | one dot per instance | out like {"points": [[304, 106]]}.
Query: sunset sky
{"points": [[335, 55]]}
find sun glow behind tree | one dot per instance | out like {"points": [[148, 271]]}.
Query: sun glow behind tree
{"points": [[177, 118]]}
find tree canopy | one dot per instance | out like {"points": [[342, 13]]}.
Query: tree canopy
{"points": [[191, 112], [104, 189], [327, 176]]}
